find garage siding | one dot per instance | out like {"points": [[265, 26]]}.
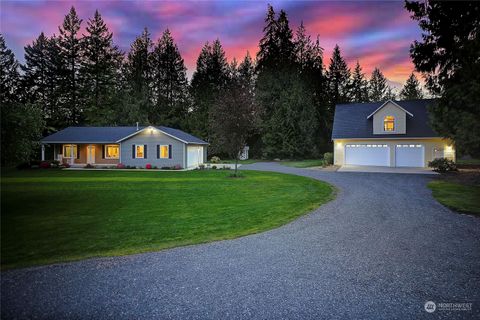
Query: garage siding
{"points": [[152, 138], [430, 145]]}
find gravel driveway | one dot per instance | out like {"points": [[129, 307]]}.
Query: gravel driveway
{"points": [[380, 251]]}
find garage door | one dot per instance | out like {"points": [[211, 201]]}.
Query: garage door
{"points": [[409, 155], [194, 156], [367, 155]]}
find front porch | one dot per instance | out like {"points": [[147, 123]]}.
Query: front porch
{"points": [[79, 155]]}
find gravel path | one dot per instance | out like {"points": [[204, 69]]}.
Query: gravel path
{"points": [[379, 251]]}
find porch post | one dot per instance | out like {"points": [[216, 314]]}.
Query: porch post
{"points": [[72, 156], [54, 152], [43, 152]]}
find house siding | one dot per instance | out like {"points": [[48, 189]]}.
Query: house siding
{"points": [[429, 146], [152, 138], [390, 110]]}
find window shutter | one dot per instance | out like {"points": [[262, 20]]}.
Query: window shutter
{"points": [[169, 151], [133, 151], [158, 151], [144, 151], [103, 152], [78, 152]]}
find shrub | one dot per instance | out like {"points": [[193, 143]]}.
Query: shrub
{"points": [[215, 159], [56, 163], [201, 166], [165, 168], [214, 167], [65, 165], [148, 166], [442, 165], [328, 158], [177, 167], [154, 167], [120, 166], [44, 165], [89, 166], [23, 166]]}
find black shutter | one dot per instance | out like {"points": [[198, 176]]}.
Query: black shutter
{"points": [[169, 151], [144, 151], [78, 152], [133, 151], [103, 151], [158, 151]]}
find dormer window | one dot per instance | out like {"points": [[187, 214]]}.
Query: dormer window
{"points": [[389, 123]]}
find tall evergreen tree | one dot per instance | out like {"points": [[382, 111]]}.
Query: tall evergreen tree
{"points": [[359, 86], [100, 68], [309, 58], [170, 85], [379, 90], [338, 76], [138, 77], [21, 123], [246, 71], [9, 75], [70, 50], [42, 79], [448, 55], [411, 89], [208, 80], [268, 46]]}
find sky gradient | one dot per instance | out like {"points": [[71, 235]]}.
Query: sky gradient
{"points": [[374, 32]]}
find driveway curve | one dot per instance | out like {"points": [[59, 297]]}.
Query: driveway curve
{"points": [[380, 250]]}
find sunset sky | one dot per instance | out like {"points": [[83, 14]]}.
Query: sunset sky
{"points": [[374, 32]]}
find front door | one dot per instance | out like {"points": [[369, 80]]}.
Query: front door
{"points": [[90, 154]]}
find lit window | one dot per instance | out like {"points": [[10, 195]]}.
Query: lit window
{"points": [[164, 152], [139, 151], [112, 151], [70, 151], [389, 123]]}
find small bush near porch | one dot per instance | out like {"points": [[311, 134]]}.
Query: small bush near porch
{"points": [[52, 215]]}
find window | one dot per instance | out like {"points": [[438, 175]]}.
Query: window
{"points": [[112, 151], [389, 123], [139, 151], [70, 151], [164, 152]]}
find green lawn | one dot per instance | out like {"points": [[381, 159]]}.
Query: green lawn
{"points": [[459, 197], [304, 163], [52, 215], [468, 161]]}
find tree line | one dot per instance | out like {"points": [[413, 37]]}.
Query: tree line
{"points": [[85, 79]]}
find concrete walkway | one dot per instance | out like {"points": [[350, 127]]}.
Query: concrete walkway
{"points": [[379, 251]]}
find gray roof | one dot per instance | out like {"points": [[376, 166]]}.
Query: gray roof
{"points": [[350, 120], [111, 135]]}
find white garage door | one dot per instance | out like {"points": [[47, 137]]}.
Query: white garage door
{"points": [[194, 156], [409, 155], [367, 155]]}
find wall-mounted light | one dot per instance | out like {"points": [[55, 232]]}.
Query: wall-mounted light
{"points": [[339, 144], [448, 148]]}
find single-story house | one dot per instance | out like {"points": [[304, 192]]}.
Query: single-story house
{"points": [[133, 146], [390, 134]]}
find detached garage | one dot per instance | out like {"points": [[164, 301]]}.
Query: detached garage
{"points": [[388, 134]]}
